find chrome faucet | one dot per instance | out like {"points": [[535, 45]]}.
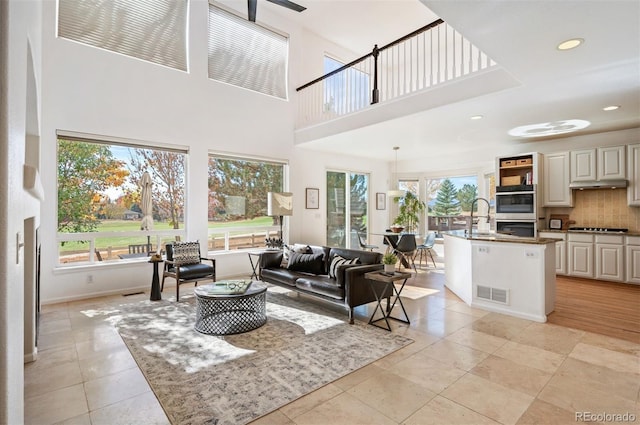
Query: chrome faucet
{"points": [[475, 201]]}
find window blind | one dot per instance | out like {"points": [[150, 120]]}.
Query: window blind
{"points": [[151, 30], [247, 55]]}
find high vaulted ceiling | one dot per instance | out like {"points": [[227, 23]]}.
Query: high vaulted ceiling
{"points": [[521, 36]]}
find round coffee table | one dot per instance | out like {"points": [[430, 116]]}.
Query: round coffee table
{"points": [[227, 314]]}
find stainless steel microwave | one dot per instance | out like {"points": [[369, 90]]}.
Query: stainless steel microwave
{"points": [[516, 206]]}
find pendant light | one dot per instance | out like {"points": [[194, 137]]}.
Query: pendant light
{"points": [[396, 193]]}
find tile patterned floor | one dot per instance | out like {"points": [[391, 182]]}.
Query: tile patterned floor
{"points": [[467, 366]]}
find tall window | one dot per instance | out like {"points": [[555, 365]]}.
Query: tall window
{"points": [[345, 91], [409, 186], [101, 214], [449, 202], [246, 54], [155, 31], [237, 210], [347, 208]]}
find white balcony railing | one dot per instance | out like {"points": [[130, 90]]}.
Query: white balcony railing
{"points": [[429, 56]]}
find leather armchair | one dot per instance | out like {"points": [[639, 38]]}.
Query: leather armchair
{"points": [[184, 264]]}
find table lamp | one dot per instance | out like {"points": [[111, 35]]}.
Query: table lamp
{"points": [[279, 204]]}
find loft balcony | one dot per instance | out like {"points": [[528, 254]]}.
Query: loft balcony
{"points": [[428, 68]]}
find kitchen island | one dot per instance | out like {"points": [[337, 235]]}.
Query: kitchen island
{"points": [[502, 273]]}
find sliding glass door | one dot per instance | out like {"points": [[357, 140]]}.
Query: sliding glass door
{"points": [[347, 208]]}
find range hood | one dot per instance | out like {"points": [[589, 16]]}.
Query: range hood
{"points": [[603, 184]]}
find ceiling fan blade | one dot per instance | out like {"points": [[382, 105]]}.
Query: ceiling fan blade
{"points": [[289, 5], [252, 5]]}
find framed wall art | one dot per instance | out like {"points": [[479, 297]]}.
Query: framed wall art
{"points": [[312, 198], [381, 201]]}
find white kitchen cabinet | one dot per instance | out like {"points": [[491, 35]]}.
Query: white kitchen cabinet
{"points": [[561, 250], [583, 165], [609, 254], [556, 180], [632, 259], [633, 166], [607, 163], [580, 255], [611, 164]]}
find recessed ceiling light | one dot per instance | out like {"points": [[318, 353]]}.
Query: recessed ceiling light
{"points": [[477, 117], [611, 108], [570, 44], [549, 128]]}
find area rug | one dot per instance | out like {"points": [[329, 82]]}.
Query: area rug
{"points": [[203, 379]]}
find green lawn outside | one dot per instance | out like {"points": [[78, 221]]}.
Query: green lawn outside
{"points": [[134, 225]]}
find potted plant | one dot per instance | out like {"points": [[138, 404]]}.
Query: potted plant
{"points": [[389, 260], [411, 208]]}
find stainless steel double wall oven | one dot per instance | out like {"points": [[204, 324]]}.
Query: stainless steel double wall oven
{"points": [[517, 210]]}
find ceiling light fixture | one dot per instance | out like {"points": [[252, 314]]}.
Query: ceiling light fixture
{"points": [[549, 128], [477, 117], [570, 44], [611, 108], [396, 193]]}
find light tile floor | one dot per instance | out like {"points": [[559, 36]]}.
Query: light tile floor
{"points": [[466, 366]]}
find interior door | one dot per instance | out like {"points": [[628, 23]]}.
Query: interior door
{"points": [[347, 208]]}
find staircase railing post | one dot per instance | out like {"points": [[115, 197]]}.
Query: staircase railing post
{"points": [[375, 95]]}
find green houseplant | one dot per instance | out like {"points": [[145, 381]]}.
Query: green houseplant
{"points": [[389, 260], [411, 208]]}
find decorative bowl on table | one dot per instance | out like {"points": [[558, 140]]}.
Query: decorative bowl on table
{"points": [[397, 229]]}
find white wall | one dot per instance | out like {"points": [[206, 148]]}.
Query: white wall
{"points": [[444, 164], [88, 90], [19, 35]]}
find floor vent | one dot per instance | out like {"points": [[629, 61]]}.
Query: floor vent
{"points": [[493, 294], [133, 293]]}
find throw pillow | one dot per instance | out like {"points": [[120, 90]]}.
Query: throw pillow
{"points": [[270, 259], [339, 261], [298, 247], [308, 263], [186, 252]]}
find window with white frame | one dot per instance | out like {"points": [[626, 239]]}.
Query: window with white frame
{"points": [[103, 212], [409, 186], [237, 207], [449, 201], [154, 31], [347, 208], [245, 54]]}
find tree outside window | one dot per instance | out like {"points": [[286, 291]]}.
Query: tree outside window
{"points": [[99, 193], [449, 202], [237, 196]]}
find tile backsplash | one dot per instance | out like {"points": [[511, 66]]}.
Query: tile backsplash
{"points": [[602, 208]]}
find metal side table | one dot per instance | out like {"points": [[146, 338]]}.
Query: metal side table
{"points": [[380, 283]]}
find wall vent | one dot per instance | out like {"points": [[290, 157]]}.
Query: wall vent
{"points": [[493, 294]]}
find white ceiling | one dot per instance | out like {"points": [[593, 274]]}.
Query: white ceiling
{"points": [[521, 36]]}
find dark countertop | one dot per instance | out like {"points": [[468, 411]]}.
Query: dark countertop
{"points": [[497, 237]]}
